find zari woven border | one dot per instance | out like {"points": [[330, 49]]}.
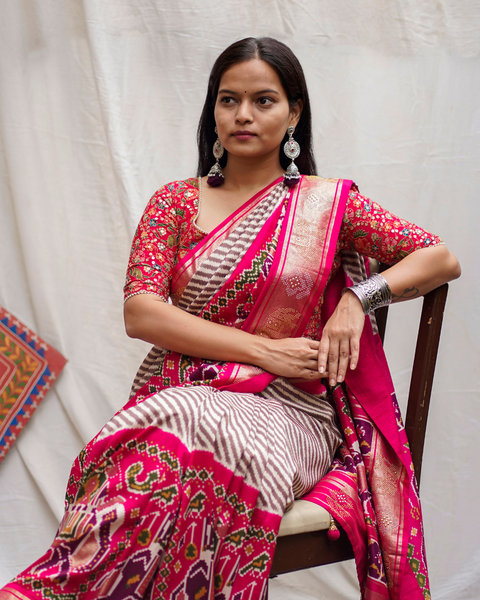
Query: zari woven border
{"points": [[28, 368]]}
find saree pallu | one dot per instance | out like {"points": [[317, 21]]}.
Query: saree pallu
{"points": [[181, 493], [371, 488]]}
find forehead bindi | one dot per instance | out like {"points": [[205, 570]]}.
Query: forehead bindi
{"points": [[251, 77]]}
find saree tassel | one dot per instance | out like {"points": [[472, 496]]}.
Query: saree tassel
{"points": [[333, 533], [292, 151]]}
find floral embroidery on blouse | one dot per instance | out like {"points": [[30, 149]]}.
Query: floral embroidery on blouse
{"points": [[167, 232], [374, 232]]}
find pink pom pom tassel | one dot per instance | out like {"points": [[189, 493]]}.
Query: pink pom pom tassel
{"points": [[333, 533]]}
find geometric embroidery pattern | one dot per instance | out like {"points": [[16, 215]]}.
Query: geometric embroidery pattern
{"points": [[28, 368]]}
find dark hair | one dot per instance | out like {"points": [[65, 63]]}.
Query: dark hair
{"points": [[284, 62]]}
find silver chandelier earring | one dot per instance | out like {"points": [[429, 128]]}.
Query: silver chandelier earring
{"points": [[292, 151], [215, 175]]}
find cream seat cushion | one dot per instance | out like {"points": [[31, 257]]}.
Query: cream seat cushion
{"points": [[304, 516]]}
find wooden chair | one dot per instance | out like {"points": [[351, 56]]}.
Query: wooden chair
{"points": [[303, 541]]}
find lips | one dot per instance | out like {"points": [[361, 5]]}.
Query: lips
{"points": [[243, 134]]}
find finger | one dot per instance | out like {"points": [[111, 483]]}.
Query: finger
{"points": [[307, 365], [303, 366], [333, 363], [312, 374], [355, 352], [312, 363], [343, 360], [308, 360], [323, 349], [313, 349]]}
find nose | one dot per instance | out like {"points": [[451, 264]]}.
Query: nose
{"points": [[244, 112]]}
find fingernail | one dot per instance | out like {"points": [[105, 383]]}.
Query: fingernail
{"points": [[339, 379], [332, 381], [321, 369], [352, 366]]}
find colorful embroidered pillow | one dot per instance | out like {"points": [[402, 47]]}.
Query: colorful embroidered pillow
{"points": [[28, 368]]}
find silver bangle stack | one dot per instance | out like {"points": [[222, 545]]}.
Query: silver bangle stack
{"points": [[372, 292]]}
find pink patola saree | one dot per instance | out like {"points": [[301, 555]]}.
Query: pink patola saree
{"points": [[181, 494]]}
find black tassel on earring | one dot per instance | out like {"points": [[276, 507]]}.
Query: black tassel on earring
{"points": [[215, 175]]}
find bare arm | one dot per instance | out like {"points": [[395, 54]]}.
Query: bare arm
{"points": [[149, 318], [415, 275], [421, 272]]}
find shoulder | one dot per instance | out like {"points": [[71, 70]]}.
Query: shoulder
{"points": [[182, 189], [326, 179], [181, 186], [333, 187], [315, 180], [175, 195], [172, 205]]}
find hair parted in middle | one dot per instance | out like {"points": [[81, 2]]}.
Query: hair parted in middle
{"points": [[286, 65]]}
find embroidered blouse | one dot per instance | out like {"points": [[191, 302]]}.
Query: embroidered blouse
{"points": [[167, 231]]}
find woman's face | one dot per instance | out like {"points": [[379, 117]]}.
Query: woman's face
{"points": [[252, 112]]}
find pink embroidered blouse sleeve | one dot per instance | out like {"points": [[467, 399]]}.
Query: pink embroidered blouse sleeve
{"points": [[164, 234], [372, 231]]}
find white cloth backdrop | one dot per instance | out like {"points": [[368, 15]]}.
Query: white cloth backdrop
{"points": [[99, 103]]}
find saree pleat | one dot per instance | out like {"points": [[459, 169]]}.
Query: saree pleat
{"points": [[181, 496]]}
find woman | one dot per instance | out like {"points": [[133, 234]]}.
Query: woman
{"points": [[232, 413]]}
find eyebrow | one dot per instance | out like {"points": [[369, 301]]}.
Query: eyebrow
{"points": [[224, 91]]}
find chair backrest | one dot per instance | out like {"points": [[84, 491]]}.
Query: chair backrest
{"points": [[423, 369]]}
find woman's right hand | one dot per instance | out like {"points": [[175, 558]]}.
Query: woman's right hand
{"points": [[290, 357], [149, 318]]}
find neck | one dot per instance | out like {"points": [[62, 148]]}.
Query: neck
{"points": [[243, 173]]}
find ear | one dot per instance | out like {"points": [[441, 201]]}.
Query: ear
{"points": [[295, 112]]}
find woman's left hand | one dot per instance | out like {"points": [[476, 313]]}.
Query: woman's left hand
{"points": [[340, 343]]}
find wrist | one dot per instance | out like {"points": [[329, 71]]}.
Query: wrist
{"points": [[350, 298], [373, 292], [259, 351]]}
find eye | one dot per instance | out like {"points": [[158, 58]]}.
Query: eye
{"points": [[265, 101], [227, 100]]}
